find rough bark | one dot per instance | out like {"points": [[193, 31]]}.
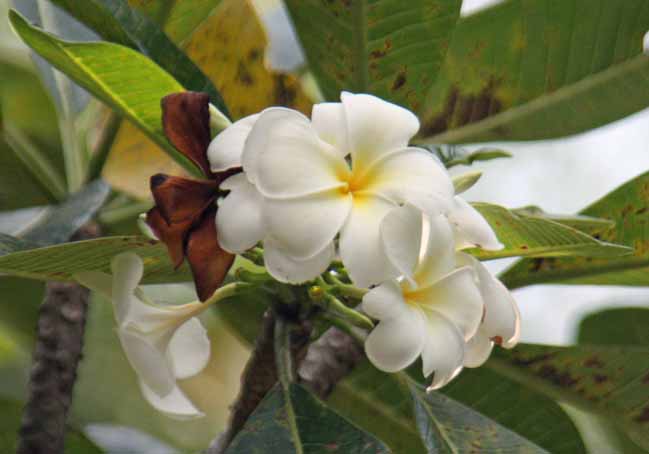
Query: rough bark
{"points": [[58, 350], [328, 360]]}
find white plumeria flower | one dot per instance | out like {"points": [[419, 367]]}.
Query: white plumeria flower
{"points": [[305, 192], [163, 343], [436, 311]]}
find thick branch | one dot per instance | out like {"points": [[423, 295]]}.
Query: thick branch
{"points": [[330, 359], [58, 350]]}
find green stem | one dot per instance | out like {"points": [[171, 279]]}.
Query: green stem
{"points": [[102, 150], [116, 215], [226, 291], [36, 162]]}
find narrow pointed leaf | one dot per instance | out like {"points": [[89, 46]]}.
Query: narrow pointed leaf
{"points": [[115, 21], [536, 236], [627, 209], [540, 69], [60, 262], [389, 48], [121, 77], [313, 429]]}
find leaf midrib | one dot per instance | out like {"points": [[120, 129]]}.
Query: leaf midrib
{"points": [[360, 43]]}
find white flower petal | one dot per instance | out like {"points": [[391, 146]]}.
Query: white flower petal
{"points": [[437, 252], [385, 301], [456, 297], [478, 349], [291, 160], [127, 271], [361, 247], [471, 228], [149, 362], [375, 127], [401, 231], [239, 221], [284, 268], [305, 225], [328, 120], [189, 349], [224, 152], [396, 342], [411, 175], [443, 353], [258, 137], [501, 319], [175, 404]]}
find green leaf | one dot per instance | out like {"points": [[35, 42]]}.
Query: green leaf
{"points": [[391, 48], [540, 69], [24, 103], [535, 236], [43, 171], [62, 221], [620, 326], [21, 299], [60, 262], [367, 392], [483, 154], [516, 407], [314, 428], [627, 209], [586, 224], [121, 77], [115, 21], [24, 100], [449, 427], [608, 380]]}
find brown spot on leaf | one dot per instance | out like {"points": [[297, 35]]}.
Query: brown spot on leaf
{"points": [[644, 416], [400, 81], [243, 75], [460, 109], [594, 362], [552, 374], [600, 378]]}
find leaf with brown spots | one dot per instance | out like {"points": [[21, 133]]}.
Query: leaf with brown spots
{"points": [[627, 210], [536, 236], [389, 48], [448, 427], [614, 389], [531, 70], [307, 427]]}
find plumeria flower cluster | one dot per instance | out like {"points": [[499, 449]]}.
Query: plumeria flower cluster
{"points": [[346, 183], [342, 185]]}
